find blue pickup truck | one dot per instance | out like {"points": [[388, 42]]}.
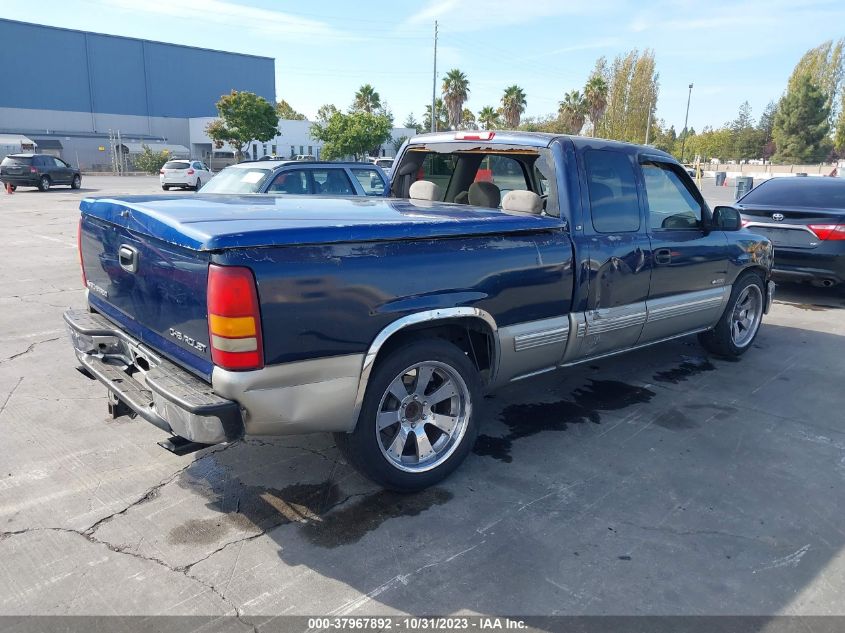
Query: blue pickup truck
{"points": [[499, 256]]}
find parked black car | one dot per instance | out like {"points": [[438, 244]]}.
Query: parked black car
{"points": [[300, 177], [805, 219], [38, 170]]}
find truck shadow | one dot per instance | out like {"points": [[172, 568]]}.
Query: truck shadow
{"points": [[661, 482]]}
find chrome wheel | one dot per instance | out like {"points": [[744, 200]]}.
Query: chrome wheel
{"points": [[747, 313], [422, 416]]}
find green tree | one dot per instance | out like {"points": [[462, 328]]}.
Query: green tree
{"points": [[549, 123], [325, 112], [441, 118], [488, 118], [468, 121], [366, 99], [801, 124], [455, 92], [244, 117], [595, 97], [632, 82], [839, 138], [286, 112], [663, 138], [412, 123], [513, 105], [354, 134], [573, 112], [823, 66], [747, 138], [397, 143], [150, 161]]}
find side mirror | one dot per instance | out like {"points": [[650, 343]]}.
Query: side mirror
{"points": [[727, 218]]}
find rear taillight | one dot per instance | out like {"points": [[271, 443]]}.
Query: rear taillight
{"points": [[234, 320], [745, 222], [33, 170], [829, 232], [190, 172], [161, 172], [79, 248]]}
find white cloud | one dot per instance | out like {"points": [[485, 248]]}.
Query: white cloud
{"points": [[263, 21]]}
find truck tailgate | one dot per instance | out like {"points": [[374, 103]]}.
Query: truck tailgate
{"points": [[154, 289]]}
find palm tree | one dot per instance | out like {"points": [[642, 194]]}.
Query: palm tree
{"points": [[595, 96], [441, 118], [573, 111], [455, 92], [488, 116], [513, 105], [367, 99]]}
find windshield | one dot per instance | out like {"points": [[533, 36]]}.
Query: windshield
{"points": [[237, 180], [385, 163], [819, 193], [16, 160]]}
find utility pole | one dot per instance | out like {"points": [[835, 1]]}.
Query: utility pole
{"points": [[434, 84], [686, 120]]}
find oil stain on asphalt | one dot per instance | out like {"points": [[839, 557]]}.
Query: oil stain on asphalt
{"points": [[259, 509], [524, 420], [690, 367]]}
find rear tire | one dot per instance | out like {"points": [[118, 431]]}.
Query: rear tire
{"points": [[76, 183], [740, 323], [166, 187], [198, 185], [44, 183], [413, 442]]}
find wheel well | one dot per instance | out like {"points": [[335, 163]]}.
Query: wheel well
{"points": [[757, 270], [472, 336]]}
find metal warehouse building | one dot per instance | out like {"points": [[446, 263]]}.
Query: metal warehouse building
{"points": [[67, 90]]}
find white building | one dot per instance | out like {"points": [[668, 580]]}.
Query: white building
{"points": [[294, 139]]}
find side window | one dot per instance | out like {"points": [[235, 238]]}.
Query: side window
{"points": [[503, 171], [60, 163], [670, 204], [332, 182], [371, 182], [197, 166], [613, 192], [294, 182]]}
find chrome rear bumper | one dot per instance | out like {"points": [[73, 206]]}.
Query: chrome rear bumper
{"points": [[155, 389]]}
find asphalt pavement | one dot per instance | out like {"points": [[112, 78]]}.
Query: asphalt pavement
{"points": [[659, 482]]}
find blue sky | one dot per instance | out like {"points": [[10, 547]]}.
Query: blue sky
{"points": [[730, 51]]}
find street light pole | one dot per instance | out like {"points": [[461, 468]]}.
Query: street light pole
{"points": [[434, 83], [686, 121]]}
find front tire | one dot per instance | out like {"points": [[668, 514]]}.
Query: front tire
{"points": [[76, 183], [740, 324], [165, 187], [44, 183], [417, 422]]}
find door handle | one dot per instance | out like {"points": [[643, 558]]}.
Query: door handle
{"points": [[663, 256]]}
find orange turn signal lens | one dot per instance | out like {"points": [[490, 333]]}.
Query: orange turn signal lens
{"points": [[231, 327]]}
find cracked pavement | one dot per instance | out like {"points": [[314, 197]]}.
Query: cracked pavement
{"points": [[661, 482]]}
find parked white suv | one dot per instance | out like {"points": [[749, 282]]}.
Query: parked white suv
{"points": [[188, 174]]}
